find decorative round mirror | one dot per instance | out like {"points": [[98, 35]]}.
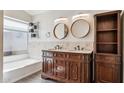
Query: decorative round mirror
{"points": [[80, 28], [60, 31]]}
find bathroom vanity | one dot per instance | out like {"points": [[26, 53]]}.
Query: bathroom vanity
{"points": [[67, 66]]}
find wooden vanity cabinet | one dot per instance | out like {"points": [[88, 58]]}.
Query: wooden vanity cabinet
{"points": [[66, 66], [108, 69], [108, 48]]}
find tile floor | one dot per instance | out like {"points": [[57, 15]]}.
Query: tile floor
{"points": [[35, 78]]}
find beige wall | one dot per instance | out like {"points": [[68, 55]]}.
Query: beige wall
{"points": [[19, 14], [1, 45]]}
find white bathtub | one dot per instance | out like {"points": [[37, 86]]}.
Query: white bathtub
{"points": [[14, 71]]}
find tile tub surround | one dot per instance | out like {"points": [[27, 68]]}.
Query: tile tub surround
{"points": [[35, 47]]}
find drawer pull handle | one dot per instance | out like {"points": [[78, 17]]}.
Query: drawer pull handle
{"points": [[60, 68]]}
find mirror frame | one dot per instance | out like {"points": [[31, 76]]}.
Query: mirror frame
{"points": [[64, 35], [85, 34]]}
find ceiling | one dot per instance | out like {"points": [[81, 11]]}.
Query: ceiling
{"points": [[37, 12]]}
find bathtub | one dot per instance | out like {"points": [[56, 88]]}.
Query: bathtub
{"points": [[18, 69]]}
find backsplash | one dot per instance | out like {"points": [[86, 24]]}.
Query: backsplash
{"points": [[35, 48]]}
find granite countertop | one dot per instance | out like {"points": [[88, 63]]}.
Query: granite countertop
{"points": [[72, 51]]}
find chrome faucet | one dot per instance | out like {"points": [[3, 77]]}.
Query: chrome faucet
{"points": [[78, 47], [58, 47]]}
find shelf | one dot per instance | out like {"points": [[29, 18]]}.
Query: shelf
{"points": [[106, 42], [100, 30], [107, 48], [106, 37]]}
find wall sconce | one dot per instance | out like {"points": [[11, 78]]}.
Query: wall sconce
{"points": [[80, 16], [61, 19]]}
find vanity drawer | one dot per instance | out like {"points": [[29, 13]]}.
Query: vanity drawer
{"points": [[75, 56], [48, 54], [61, 55], [106, 59]]}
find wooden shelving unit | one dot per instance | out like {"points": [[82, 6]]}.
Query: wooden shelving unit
{"points": [[108, 47]]}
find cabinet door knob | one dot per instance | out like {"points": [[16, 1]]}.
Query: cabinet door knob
{"points": [[60, 68]]}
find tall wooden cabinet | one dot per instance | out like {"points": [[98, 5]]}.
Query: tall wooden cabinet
{"points": [[108, 52]]}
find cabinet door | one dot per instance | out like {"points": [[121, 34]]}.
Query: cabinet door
{"points": [[74, 71], [60, 68], [107, 73], [48, 66]]}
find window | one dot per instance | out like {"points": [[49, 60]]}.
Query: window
{"points": [[15, 37]]}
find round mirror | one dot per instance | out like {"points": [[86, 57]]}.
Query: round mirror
{"points": [[60, 31], [80, 28]]}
